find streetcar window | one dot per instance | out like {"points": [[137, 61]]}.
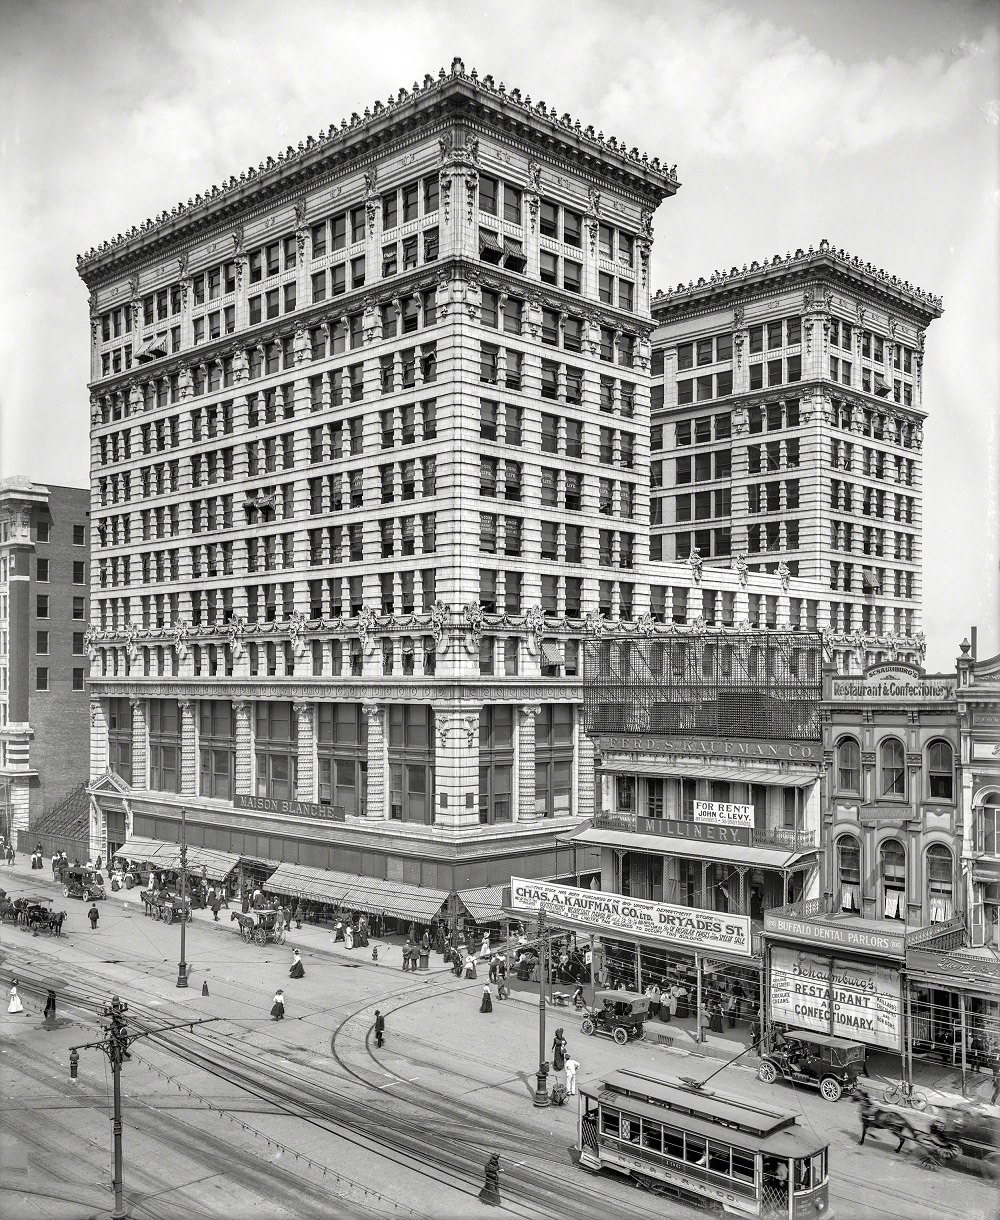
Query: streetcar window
{"points": [[818, 1168], [609, 1122], [652, 1136], [673, 1142], [718, 1157], [630, 1129], [743, 1165], [803, 1173], [695, 1150]]}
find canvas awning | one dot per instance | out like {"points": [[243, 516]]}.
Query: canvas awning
{"points": [[484, 904], [373, 895], [663, 845], [551, 653], [489, 241], [793, 777], [217, 864], [153, 348]]}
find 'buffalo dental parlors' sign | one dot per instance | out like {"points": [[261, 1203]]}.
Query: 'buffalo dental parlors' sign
{"points": [[865, 998], [613, 913]]}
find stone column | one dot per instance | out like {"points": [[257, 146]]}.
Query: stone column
{"points": [[140, 752], [456, 760], [189, 749], [526, 762], [305, 788], [586, 789], [376, 804], [244, 748]]}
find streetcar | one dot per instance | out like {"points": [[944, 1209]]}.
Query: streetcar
{"points": [[678, 1139]]}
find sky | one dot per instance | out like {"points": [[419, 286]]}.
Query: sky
{"points": [[874, 125]]}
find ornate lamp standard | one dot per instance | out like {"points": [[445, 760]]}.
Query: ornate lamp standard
{"points": [[182, 978], [541, 1097]]}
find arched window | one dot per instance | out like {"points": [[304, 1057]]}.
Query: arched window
{"points": [[940, 871], [849, 872], [940, 771], [892, 872], [988, 825], [892, 771], [848, 766]]}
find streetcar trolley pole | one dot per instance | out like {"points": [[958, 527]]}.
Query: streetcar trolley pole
{"points": [[115, 1045]]}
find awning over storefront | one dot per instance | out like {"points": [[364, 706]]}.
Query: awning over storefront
{"points": [[217, 864], [372, 895], [485, 905], [794, 777], [662, 845]]}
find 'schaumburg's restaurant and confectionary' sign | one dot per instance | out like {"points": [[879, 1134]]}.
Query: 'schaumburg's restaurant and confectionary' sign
{"points": [[856, 1000], [294, 809], [894, 683], [737, 749], [617, 914]]}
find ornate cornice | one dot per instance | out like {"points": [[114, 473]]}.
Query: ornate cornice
{"points": [[359, 690]]}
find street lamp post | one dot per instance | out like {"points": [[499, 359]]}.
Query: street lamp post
{"points": [[541, 1097], [182, 978]]}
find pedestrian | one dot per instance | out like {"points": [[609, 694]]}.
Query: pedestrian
{"points": [[406, 954], [93, 915], [470, 966], [297, 914], [572, 1067], [298, 971], [754, 1031], [490, 1193], [50, 1009], [503, 991], [486, 1004], [379, 1028], [559, 1052], [732, 1008], [494, 967], [15, 1004], [349, 936], [215, 902], [278, 1007], [653, 995], [995, 1065], [9, 855], [484, 948], [715, 1017]]}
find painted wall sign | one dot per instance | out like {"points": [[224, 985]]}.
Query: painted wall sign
{"points": [[704, 832], [747, 749], [295, 809], [874, 941], [615, 913], [723, 812], [864, 997], [894, 683], [986, 751]]}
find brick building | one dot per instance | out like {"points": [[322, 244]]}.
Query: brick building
{"points": [[44, 612]]}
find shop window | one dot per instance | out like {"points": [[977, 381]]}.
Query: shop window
{"points": [[496, 764], [276, 744], [342, 756], [939, 872], [940, 771], [892, 770], [411, 763], [987, 825], [849, 872], [892, 872], [849, 766]]}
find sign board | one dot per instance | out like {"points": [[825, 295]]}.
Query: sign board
{"points": [[954, 970], [865, 997], [895, 683], [722, 811], [986, 751], [866, 940], [293, 809], [733, 749], [617, 914], [700, 832]]}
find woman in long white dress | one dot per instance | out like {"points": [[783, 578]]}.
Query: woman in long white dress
{"points": [[15, 1004]]}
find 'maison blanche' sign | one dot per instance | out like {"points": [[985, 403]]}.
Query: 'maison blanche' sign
{"points": [[295, 809], [722, 811], [615, 913]]}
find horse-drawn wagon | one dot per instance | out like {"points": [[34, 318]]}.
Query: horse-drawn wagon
{"points": [[166, 907], [262, 927]]}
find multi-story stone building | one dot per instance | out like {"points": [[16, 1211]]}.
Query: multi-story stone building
{"points": [[787, 433], [44, 706], [370, 458]]}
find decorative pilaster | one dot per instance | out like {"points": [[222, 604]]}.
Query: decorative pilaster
{"points": [[305, 789], [140, 767], [98, 739], [189, 748], [244, 748], [526, 762], [376, 806], [586, 802]]}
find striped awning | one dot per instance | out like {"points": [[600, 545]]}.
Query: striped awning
{"points": [[217, 864], [489, 241], [551, 653], [513, 249], [372, 895], [153, 348], [484, 904]]}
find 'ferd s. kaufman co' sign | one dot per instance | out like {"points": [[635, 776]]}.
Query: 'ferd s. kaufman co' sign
{"points": [[292, 809], [614, 913], [745, 749]]}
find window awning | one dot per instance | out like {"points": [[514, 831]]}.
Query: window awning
{"points": [[662, 845], [514, 250], [217, 864], [489, 241], [870, 580], [551, 653], [152, 348], [793, 777], [485, 904], [882, 387], [372, 895]]}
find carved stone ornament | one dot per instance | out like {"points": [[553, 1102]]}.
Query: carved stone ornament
{"points": [[534, 622], [234, 634], [530, 710], [129, 634], [739, 566], [366, 625], [179, 634], [645, 624], [300, 213], [297, 632], [594, 623], [784, 574], [475, 620], [695, 563], [371, 198], [534, 182], [439, 617], [807, 300], [371, 709], [471, 189], [739, 316], [95, 713], [646, 223]]}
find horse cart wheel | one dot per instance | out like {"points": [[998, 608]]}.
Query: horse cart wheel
{"points": [[587, 1026], [260, 935]]}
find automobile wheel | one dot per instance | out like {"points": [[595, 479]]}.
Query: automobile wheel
{"points": [[65, 891], [830, 1088], [767, 1072], [588, 1027], [621, 1035]]}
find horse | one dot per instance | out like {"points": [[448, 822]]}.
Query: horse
{"points": [[875, 1117]]}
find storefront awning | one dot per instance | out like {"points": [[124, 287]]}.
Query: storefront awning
{"points": [[373, 895], [661, 845], [793, 777], [217, 864], [485, 905]]}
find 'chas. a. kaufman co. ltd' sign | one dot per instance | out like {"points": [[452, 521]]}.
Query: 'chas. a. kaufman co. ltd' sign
{"points": [[611, 913]]}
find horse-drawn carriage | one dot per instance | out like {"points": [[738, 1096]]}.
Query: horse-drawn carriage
{"points": [[32, 914], [168, 908], [262, 927]]}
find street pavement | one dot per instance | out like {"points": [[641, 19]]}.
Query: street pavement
{"points": [[448, 1078]]}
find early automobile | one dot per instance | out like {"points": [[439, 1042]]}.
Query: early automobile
{"points": [[85, 883], [818, 1061], [617, 1014]]}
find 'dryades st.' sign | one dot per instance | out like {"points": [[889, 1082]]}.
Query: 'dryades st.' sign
{"points": [[294, 809], [615, 913]]}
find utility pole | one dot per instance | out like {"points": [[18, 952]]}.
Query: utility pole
{"points": [[115, 1045], [541, 1097], [182, 978]]}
